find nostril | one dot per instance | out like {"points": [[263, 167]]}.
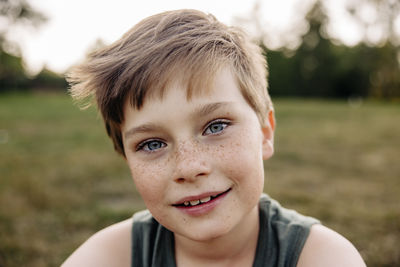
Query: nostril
{"points": [[180, 180]]}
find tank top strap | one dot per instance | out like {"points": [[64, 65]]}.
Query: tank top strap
{"points": [[152, 244], [282, 234]]}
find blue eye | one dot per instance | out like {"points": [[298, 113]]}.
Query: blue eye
{"points": [[216, 127], [151, 146]]}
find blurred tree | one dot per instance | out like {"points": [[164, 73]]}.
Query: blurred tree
{"points": [[323, 66], [380, 47], [385, 71], [377, 19], [15, 13], [12, 73], [318, 67], [48, 80]]}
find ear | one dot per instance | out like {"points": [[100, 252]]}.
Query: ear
{"points": [[268, 136]]}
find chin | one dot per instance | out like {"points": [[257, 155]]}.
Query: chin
{"points": [[207, 233]]}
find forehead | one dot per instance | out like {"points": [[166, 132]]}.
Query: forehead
{"points": [[198, 83], [222, 89]]}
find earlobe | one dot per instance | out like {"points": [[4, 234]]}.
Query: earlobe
{"points": [[268, 136]]}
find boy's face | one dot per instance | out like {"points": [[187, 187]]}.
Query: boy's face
{"points": [[208, 150]]}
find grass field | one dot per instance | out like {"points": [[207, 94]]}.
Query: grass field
{"points": [[60, 180]]}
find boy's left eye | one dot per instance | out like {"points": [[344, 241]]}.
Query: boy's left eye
{"points": [[150, 146], [216, 127]]}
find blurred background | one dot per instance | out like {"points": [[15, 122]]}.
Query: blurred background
{"points": [[334, 78]]}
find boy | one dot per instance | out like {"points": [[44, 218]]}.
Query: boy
{"points": [[184, 100]]}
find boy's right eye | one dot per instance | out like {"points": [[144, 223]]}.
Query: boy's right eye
{"points": [[150, 146]]}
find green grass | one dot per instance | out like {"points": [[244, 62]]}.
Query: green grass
{"points": [[60, 180]]}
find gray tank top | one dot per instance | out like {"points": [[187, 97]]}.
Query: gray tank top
{"points": [[281, 238]]}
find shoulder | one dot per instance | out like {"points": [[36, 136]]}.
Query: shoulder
{"points": [[108, 247], [283, 217], [325, 247]]}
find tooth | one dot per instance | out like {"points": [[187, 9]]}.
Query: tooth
{"points": [[194, 202], [186, 203], [206, 199]]}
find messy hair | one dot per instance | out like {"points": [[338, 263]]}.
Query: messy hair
{"points": [[188, 45]]}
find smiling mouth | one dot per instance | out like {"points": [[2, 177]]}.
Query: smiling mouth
{"points": [[198, 202]]}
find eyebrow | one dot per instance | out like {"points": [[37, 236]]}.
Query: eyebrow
{"points": [[198, 112], [209, 108], [144, 128]]}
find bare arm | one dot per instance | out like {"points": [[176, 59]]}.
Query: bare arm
{"points": [[325, 247], [109, 247]]}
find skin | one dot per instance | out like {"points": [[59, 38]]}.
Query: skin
{"points": [[192, 159], [178, 148]]}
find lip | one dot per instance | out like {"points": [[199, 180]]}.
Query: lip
{"points": [[196, 197], [203, 208]]}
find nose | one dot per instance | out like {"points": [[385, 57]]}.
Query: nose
{"points": [[192, 162]]}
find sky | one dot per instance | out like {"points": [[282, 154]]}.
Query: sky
{"points": [[73, 26]]}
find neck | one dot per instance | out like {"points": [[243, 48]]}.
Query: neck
{"points": [[238, 246]]}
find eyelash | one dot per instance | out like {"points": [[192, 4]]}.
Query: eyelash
{"points": [[142, 145], [225, 122]]}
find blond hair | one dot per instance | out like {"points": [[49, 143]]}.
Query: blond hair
{"points": [[182, 44]]}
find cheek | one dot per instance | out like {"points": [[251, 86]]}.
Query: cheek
{"points": [[242, 159], [244, 167], [147, 181]]}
